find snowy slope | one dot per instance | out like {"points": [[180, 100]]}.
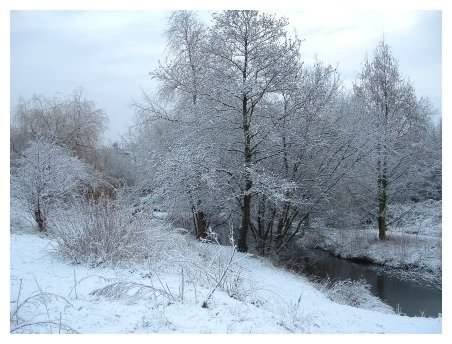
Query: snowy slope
{"points": [[269, 306]]}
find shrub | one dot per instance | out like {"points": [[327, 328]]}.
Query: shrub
{"points": [[101, 231], [355, 294]]}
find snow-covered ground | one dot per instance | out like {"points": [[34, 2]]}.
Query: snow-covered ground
{"points": [[413, 244], [49, 294]]}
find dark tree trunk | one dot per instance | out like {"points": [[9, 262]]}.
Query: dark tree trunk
{"points": [[246, 121], [40, 219], [246, 207], [246, 216], [382, 205], [383, 180], [201, 225]]}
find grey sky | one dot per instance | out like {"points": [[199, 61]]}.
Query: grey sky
{"points": [[109, 54]]}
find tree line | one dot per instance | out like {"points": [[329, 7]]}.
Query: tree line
{"points": [[243, 132]]}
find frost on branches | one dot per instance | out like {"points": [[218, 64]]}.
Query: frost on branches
{"points": [[44, 176]]}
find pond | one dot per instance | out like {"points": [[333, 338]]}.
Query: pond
{"points": [[408, 297]]}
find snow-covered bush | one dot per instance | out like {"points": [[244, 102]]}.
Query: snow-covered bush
{"points": [[100, 231], [355, 294]]}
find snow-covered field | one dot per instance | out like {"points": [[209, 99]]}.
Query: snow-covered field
{"points": [[49, 294], [413, 243]]}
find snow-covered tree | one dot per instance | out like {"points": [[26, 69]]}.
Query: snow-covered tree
{"points": [[181, 77], [44, 176], [315, 153], [252, 58], [392, 121]]}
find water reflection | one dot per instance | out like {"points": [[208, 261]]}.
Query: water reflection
{"points": [[408, 297]]}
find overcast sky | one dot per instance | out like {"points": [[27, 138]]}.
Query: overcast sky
{"points": [[109, 54]]}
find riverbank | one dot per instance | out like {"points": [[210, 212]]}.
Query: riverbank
{"points": [[404, 296], [51, 295], [412, 249]]}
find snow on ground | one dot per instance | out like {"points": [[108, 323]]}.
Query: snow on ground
{"points": [[413, 243], [268, 299]]}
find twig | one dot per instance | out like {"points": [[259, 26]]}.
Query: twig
{"points": [[167, 289], [40, 294], [18, 302], [206, 301], [44, 301], [85, 278], [75, 286], [64, 326], [182, 287]]}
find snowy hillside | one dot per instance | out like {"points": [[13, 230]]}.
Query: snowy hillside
{"points": [[50, 295]]}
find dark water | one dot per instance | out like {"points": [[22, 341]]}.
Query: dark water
{"points": [[408, 297]]}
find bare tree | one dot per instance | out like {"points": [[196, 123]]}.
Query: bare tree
{"points": [[71, 121]]}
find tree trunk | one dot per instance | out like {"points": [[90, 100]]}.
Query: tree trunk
{"points": [[383, 181], [201, 230], [382, 205], [246, 208], [40, 219], [246, 216], [246, 118]]}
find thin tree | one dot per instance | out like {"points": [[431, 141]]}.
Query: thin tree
{"points": [[390, 110], [181, 74]]}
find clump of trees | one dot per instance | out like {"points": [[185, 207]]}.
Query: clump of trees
{"points": [[243, 130]]}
